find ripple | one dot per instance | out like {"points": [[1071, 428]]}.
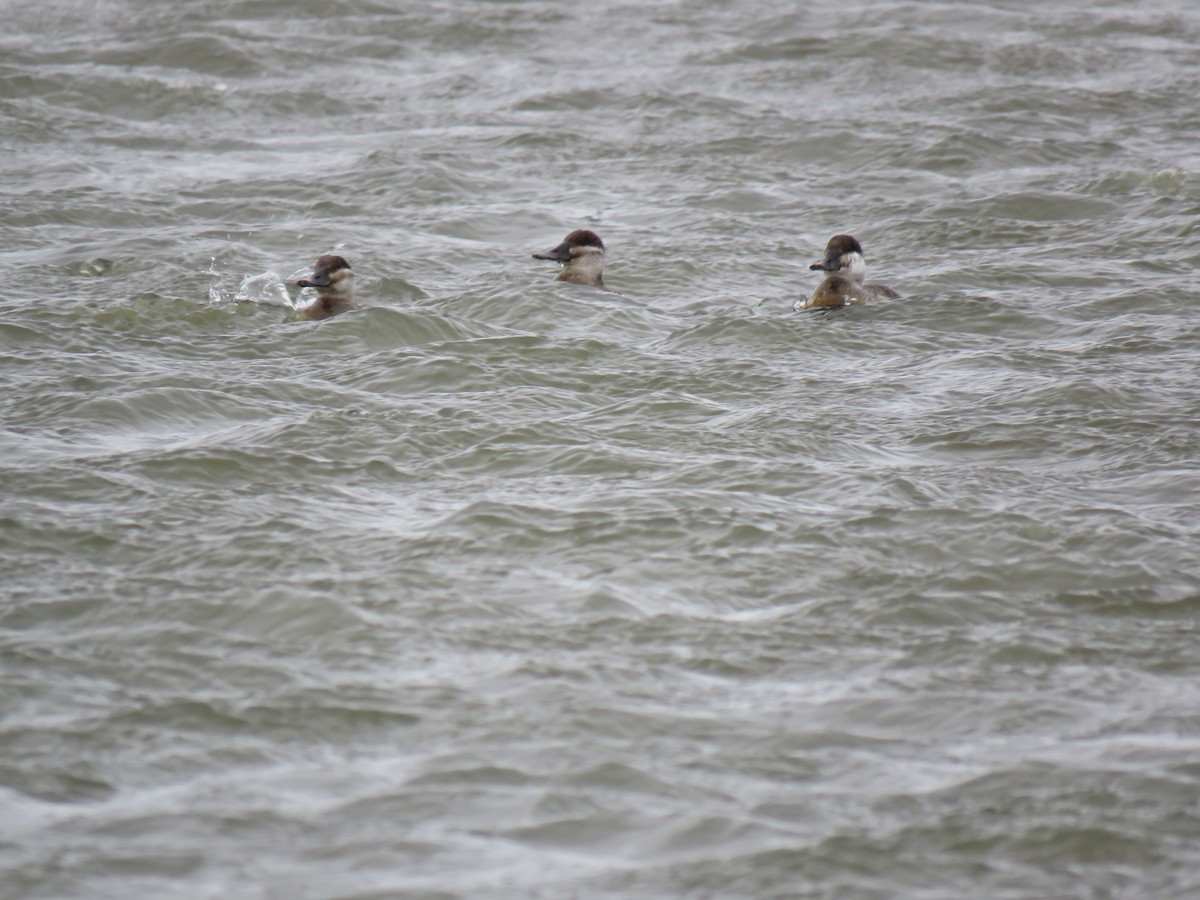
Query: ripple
{"points": [[660, 591]]}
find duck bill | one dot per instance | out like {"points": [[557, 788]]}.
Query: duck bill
{"points": [[318, 279], [561, 253], [828, 264]]}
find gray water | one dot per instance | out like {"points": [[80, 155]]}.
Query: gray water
{"points": [[503, 587]]}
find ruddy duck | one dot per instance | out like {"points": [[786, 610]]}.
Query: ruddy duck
{"points": [[582, 256], [335, 288], [843, 284]]}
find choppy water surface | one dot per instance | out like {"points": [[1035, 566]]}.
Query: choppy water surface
{"points": [[506, 587]]}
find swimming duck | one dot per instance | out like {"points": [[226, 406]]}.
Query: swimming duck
{"points": [[335, 288], [843, 283], [582, 256]]}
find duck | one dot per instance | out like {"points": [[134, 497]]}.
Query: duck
{"points": [[334, 281], [844, 268], [582, 256]]}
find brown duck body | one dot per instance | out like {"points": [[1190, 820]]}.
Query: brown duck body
{"points": [[582, 256], [836, 291], [326, 307], [334, 282], [843, 285]]}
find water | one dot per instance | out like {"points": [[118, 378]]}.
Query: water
{"points": [[508, 588]]}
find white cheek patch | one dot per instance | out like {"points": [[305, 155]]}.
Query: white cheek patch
{"points": [[854, 265], [586, 258]]}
